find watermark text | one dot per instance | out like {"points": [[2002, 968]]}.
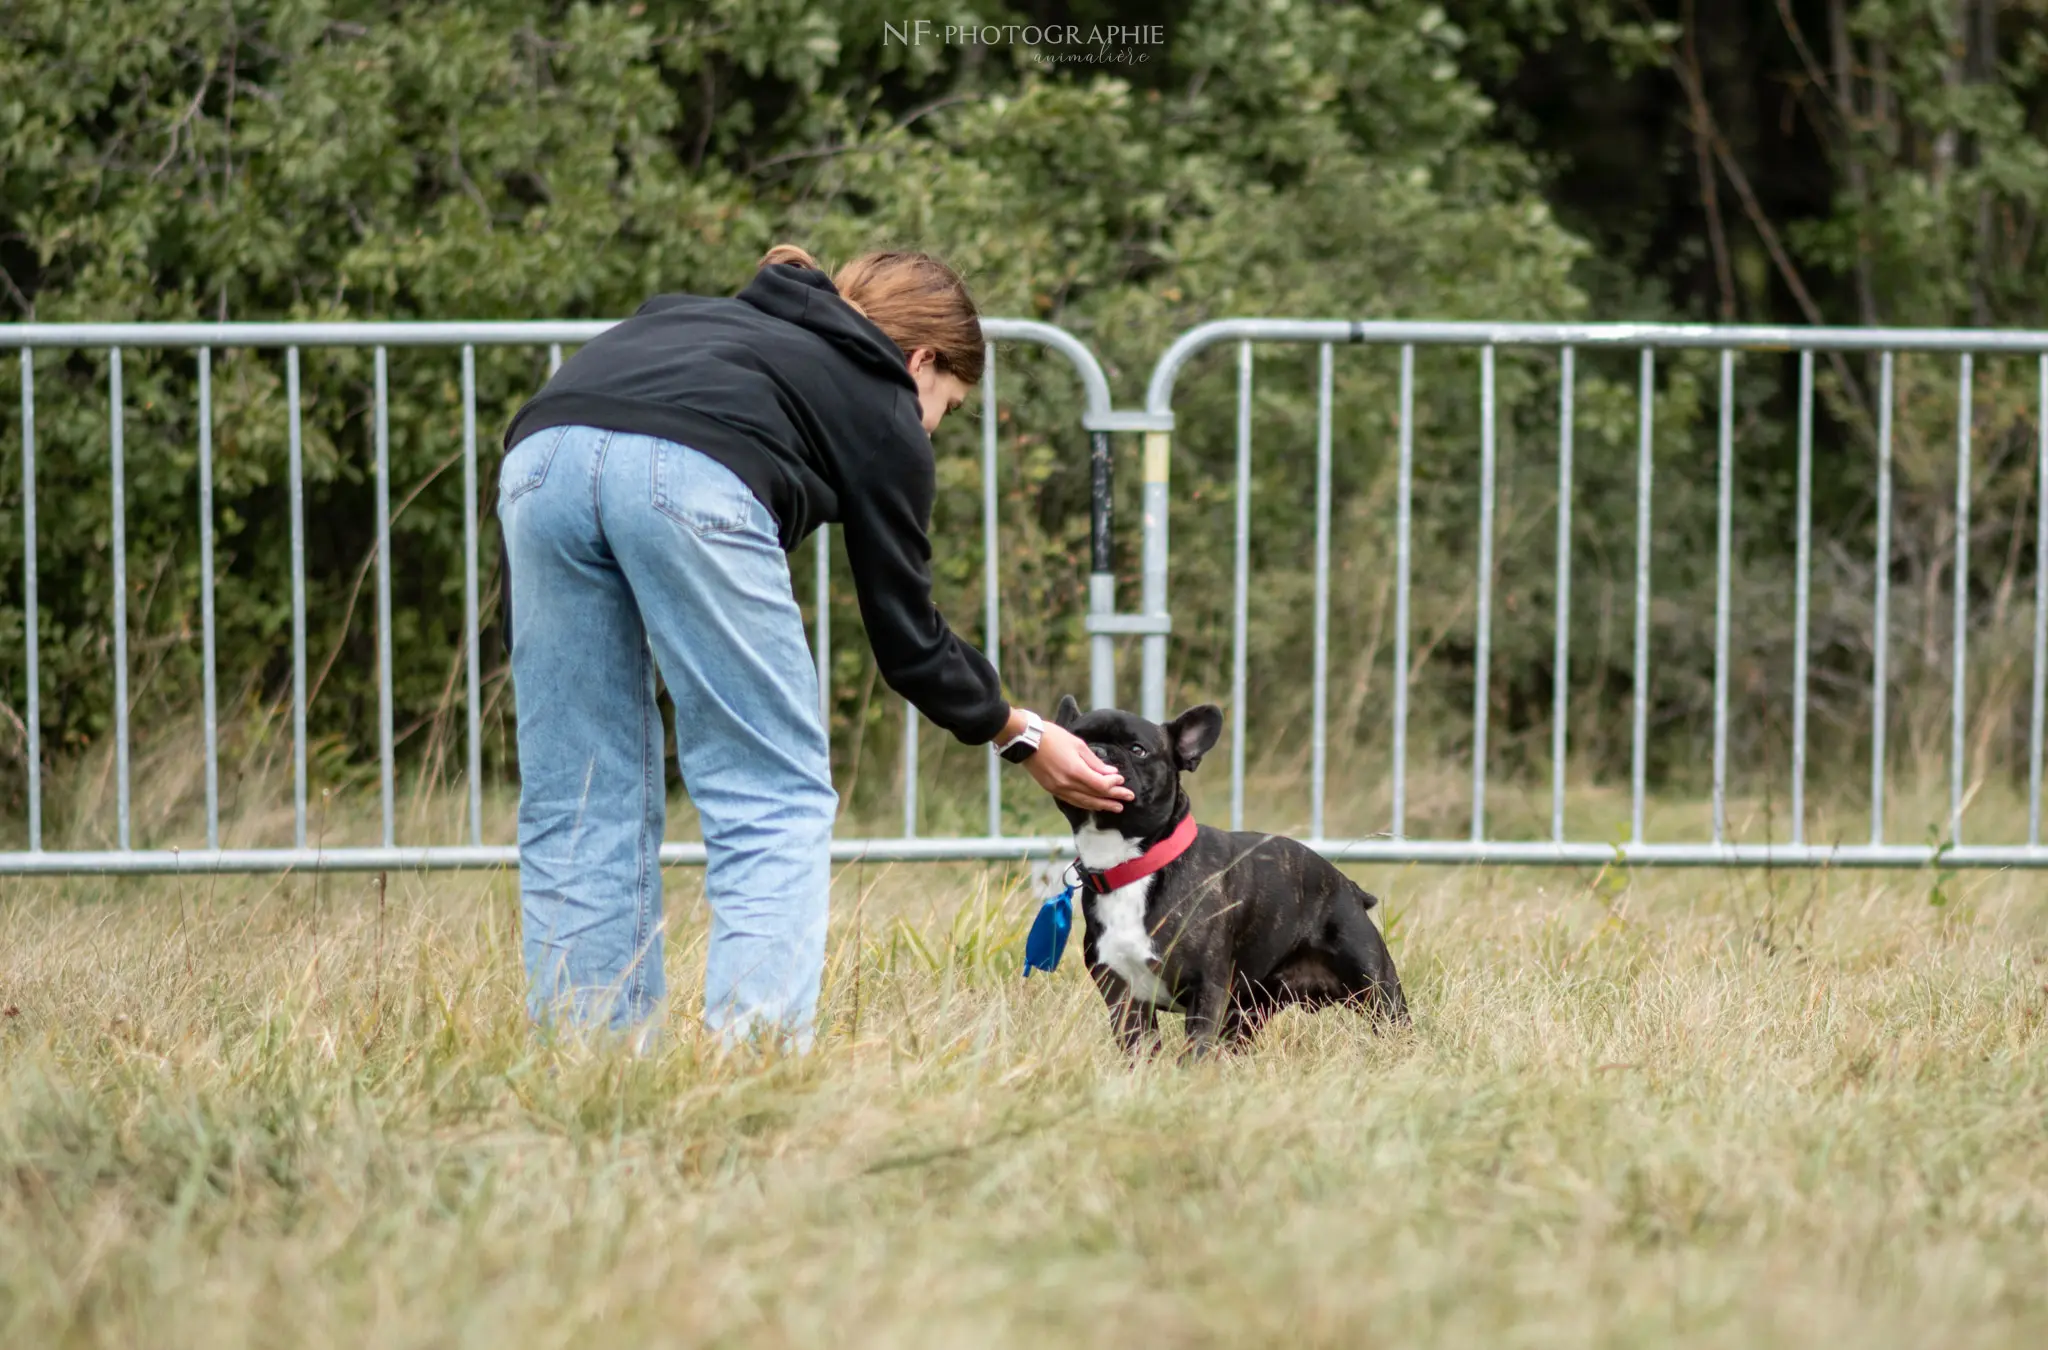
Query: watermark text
{"points": [[1049, 44]]}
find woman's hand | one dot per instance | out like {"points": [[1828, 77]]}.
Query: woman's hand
{"points": [[1070, 771]]}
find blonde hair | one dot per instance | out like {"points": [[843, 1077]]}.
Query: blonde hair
{"points": [[913, 297]]}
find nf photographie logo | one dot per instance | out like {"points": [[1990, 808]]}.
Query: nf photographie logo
{"points": [[1048, 43]]}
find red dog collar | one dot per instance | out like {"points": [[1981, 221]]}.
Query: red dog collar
{"points": [[1146, 863]]}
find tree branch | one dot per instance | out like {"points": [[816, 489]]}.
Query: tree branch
{"points": [[1710, 196], [828, 151], [184, 120], [1768, 233], [1806, 56], [1851, 151]]}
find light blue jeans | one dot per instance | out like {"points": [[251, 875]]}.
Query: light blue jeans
{"points": [[620, 543]]}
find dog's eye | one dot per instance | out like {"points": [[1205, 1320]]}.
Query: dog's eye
{"points": [[1140, 752]]}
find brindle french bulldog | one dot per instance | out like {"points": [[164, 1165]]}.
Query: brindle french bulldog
{"points": [[1231, 930]]}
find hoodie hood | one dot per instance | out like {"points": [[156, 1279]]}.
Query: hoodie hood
{"points": [[807, 298]]}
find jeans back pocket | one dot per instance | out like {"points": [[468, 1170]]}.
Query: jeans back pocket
{"points": [[525, 466], [693, 489]]}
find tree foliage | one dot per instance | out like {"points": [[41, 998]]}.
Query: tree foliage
{"points": [[1817, 160]]}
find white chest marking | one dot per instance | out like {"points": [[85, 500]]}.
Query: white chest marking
{"points": [[1124, 944]]}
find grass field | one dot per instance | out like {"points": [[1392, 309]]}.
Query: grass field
{"points": [[1661, 1108]]}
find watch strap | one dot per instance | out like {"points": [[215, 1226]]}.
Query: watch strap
{"points": [[1025, 743]]}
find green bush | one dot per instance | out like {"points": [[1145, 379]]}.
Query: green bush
{"points": [[513, 159]]}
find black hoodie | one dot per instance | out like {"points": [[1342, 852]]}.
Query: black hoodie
{"points": [[813, 407]]}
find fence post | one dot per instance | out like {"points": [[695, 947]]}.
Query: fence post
{"points": [[1152, 689], [1101, 569]]}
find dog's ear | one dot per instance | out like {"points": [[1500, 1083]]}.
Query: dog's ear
{"points": [[1194, 734], [1067, 713]]}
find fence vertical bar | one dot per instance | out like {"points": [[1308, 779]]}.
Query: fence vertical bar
{"points": [[991, 614], [1483, 656], [2040, 610], [384, 737], [116, 416], [1959, 713], [1402, 523], [1241, 573], [211, 709], [1880, 633], [295, 472], [1639, 732], [1319, 749], [554, 357], [1101, 567], [1561, 661], [1152, 585], [821, 622], [1723, 544], [469, 596], [30, 619], [1802, 582], [909, 770], [1156, 522]]}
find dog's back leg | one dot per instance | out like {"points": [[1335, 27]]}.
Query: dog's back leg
{"points": [[1250, 1006], [1206, 1014], [1361, 959]]}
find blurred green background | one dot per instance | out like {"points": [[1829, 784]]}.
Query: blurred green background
{"points": [[1796, 161]]}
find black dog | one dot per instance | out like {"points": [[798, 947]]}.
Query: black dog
{"points": [[1233, 928]]}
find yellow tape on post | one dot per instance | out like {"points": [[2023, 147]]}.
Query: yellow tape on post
{"points": [[1157, 445]]}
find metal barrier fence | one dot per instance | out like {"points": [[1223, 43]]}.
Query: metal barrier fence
{"points": [[1480, 847], [1152, 623], [292, 338]]}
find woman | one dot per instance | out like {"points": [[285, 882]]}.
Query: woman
{"points": [[649, 497]]}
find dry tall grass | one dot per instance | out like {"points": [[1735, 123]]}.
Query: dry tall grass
{"points": [[1661, 1108]]}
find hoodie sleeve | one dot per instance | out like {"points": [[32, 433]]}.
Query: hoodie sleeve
{"points": [[885, 511]]}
